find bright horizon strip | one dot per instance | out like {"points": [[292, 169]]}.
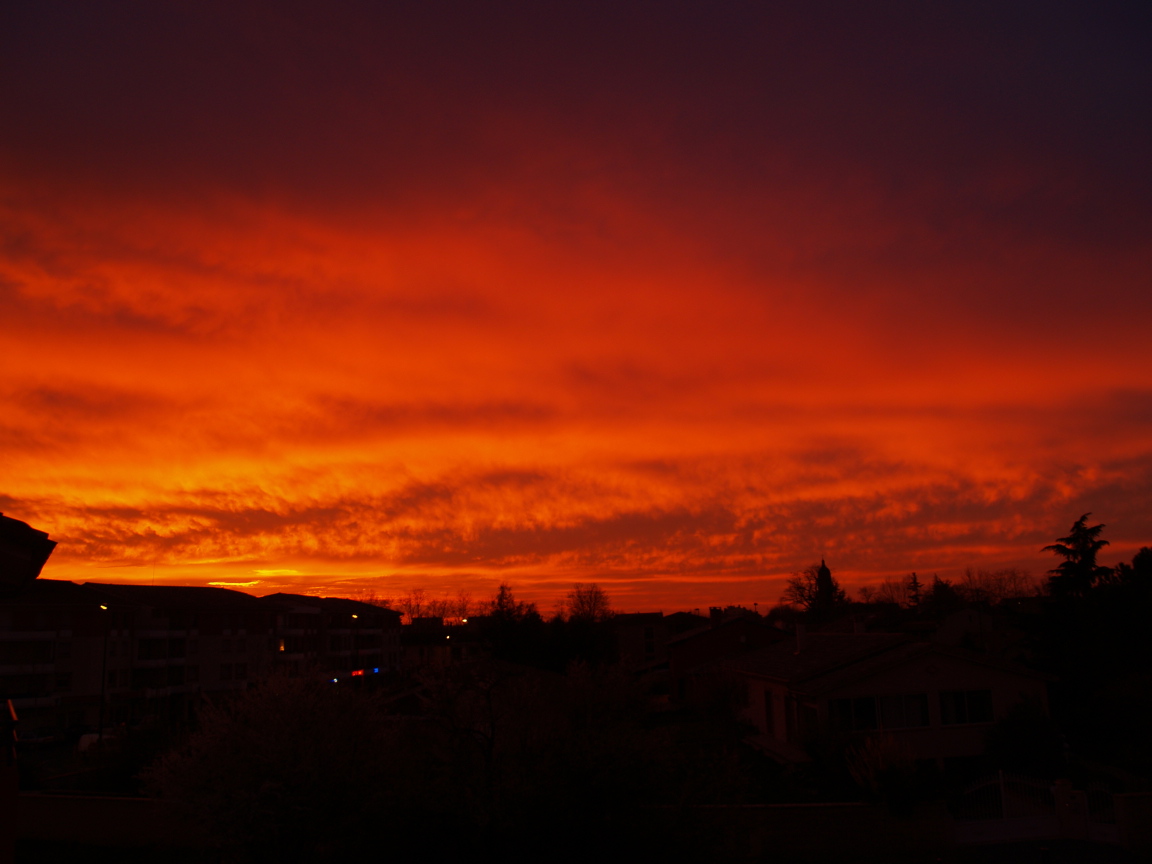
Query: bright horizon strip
{"points": [[657, 344]]}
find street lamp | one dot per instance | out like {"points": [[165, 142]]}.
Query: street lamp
{"points": [[103, 681], [355, 647]]}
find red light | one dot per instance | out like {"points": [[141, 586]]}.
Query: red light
{"points": [[356, 672]]}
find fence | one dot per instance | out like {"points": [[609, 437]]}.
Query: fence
{"points": [[1004, 808]]}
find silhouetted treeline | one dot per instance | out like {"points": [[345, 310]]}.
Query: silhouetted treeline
{"points": [[580, 632]]}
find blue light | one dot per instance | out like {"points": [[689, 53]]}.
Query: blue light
{"points": [[376, 671]]}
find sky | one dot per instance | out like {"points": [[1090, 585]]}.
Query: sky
{"points": [[678, 298]]}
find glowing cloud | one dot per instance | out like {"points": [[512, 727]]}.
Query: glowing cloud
{"points": [[677, 304]]}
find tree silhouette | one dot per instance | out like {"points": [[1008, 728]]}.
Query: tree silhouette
{"points": [[1078, 572], [913, 591], [942, 598], [1137, 574], [505, 607], [814, 590], [515, 630], [587, 603]]}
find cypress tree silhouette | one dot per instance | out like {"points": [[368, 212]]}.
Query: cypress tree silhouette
{"points": [[914, 591], [1078, 572]]}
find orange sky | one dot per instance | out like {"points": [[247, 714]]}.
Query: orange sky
{"points": [[676, 299]]}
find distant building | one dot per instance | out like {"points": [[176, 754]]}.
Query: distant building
{"points": [[80, 657], [75, 656], [337, 637], [430, 643]]}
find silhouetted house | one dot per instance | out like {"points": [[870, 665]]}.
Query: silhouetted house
{"points": [[936, 700], [683, 622], [334, 636], [695, 657], [641, 638], [990, 632], [719, 614], [641, 645]]}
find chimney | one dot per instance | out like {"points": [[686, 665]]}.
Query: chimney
{"points": [[801, 633], [715, 615]]}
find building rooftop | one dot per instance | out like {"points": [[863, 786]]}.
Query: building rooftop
{"points": [[819, 654], [23, 552], [827, 661], [56, 592], [174, 596], [331, 604]]}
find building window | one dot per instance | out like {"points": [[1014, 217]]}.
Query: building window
{"points": [[225, 671], [149, 678], [240, 671], [191, 674], [904, 711], [965, 706], [769, 714], [13, 653], [857, 714], [152, 649], [807, 717], [899, 711]]}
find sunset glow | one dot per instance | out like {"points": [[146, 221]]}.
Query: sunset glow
{"points": [[675, 302]]}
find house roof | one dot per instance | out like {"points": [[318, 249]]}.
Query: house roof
{"points": [[821, 653], [637, 617], [730, 625], [829, 661]]}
